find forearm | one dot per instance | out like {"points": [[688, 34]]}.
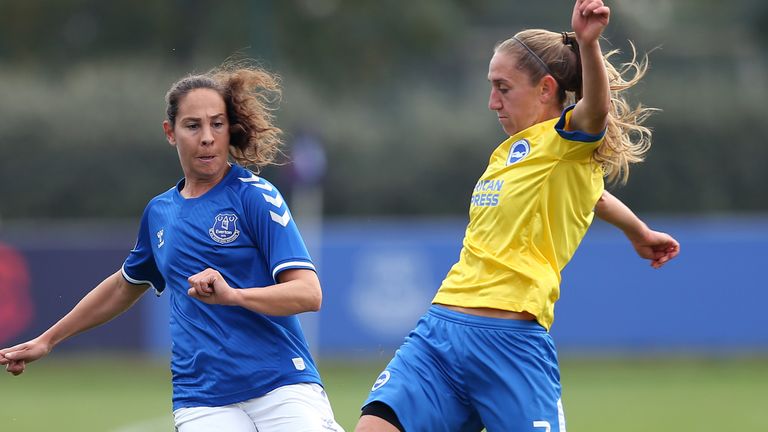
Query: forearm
{"points": [[109, 299], [591, 112], [595, 85], [612, 210], [287, 298]]}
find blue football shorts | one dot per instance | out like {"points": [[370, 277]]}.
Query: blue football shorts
{"points": [[460, 372]]}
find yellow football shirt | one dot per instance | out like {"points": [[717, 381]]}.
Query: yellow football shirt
{"points": [[528, 213]]}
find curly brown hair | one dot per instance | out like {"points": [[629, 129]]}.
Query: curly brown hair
{"points": [[251, 95]]}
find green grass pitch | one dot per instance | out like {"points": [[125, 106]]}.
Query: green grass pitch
{"points": [[126, 394]]}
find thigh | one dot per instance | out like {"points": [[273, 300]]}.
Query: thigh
{"points": [[515, 380], [206, 419], [422, 384], [369, 423], [297, 408]]}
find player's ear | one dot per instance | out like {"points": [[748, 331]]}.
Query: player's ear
{"points": [[547, 88], [169, 135]]}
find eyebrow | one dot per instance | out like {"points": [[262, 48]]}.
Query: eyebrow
{"points": [[188, 118]]}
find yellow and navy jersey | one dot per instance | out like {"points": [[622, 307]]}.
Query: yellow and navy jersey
{"points": [[528, 213]]}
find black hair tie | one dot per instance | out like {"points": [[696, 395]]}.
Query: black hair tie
{"points": [[566, 39]]}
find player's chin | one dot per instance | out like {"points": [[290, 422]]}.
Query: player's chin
{"points": [[504, 126]]}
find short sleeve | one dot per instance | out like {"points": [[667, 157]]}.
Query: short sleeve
{"points": [[580, 144], [276, 233], [140, 266]]}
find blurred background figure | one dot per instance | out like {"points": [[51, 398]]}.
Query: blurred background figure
{"points": [[16, 308], [307, 170]]}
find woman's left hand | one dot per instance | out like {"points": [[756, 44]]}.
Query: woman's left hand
{"points": [[209, 287], [589, 19], [656, 246]]}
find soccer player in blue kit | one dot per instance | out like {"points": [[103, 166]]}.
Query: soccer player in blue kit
{"points": [[482, 355], [225, 247]]}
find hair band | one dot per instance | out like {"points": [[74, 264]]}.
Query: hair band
{"points": [[546, 68]]}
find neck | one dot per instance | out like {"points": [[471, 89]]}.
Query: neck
{"points": [[550, 113], [196, 187]]}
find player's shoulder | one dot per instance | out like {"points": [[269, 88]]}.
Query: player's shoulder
{"points": [[567, 133], [163, 198], [249, 185]]}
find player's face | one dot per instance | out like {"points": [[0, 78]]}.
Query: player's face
{"points": [[514, 99], [201, 135]]}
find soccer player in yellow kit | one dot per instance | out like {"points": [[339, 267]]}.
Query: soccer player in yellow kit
{"points": [[482, 355]]}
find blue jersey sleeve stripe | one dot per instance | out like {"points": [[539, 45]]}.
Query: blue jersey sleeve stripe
{"points": [[575, 135], [139, 282], [290, 265]]}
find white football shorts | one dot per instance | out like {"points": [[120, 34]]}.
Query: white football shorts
{"points": [[296, 408]]}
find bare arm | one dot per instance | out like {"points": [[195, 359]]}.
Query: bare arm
{"points": [[656, 246], [298, 290], [589, 19], [109, 299]]}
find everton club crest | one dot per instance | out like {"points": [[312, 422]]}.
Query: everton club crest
{"points": [[224, 228]]}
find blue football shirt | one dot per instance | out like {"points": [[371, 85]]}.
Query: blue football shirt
{"points": [[241, 227]]}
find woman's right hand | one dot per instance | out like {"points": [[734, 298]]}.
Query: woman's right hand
{"points": [[16, 357], [589, 19]]}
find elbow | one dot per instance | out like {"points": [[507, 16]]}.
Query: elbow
{"points": [[604, 109], [314, 299], [598, 122], [597, 115], [315, 305]]}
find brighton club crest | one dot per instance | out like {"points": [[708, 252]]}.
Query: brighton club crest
{"points": [[518, 151], [224, 229]]}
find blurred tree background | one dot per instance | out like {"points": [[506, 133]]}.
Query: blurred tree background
{"points": [[395, 90]]}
